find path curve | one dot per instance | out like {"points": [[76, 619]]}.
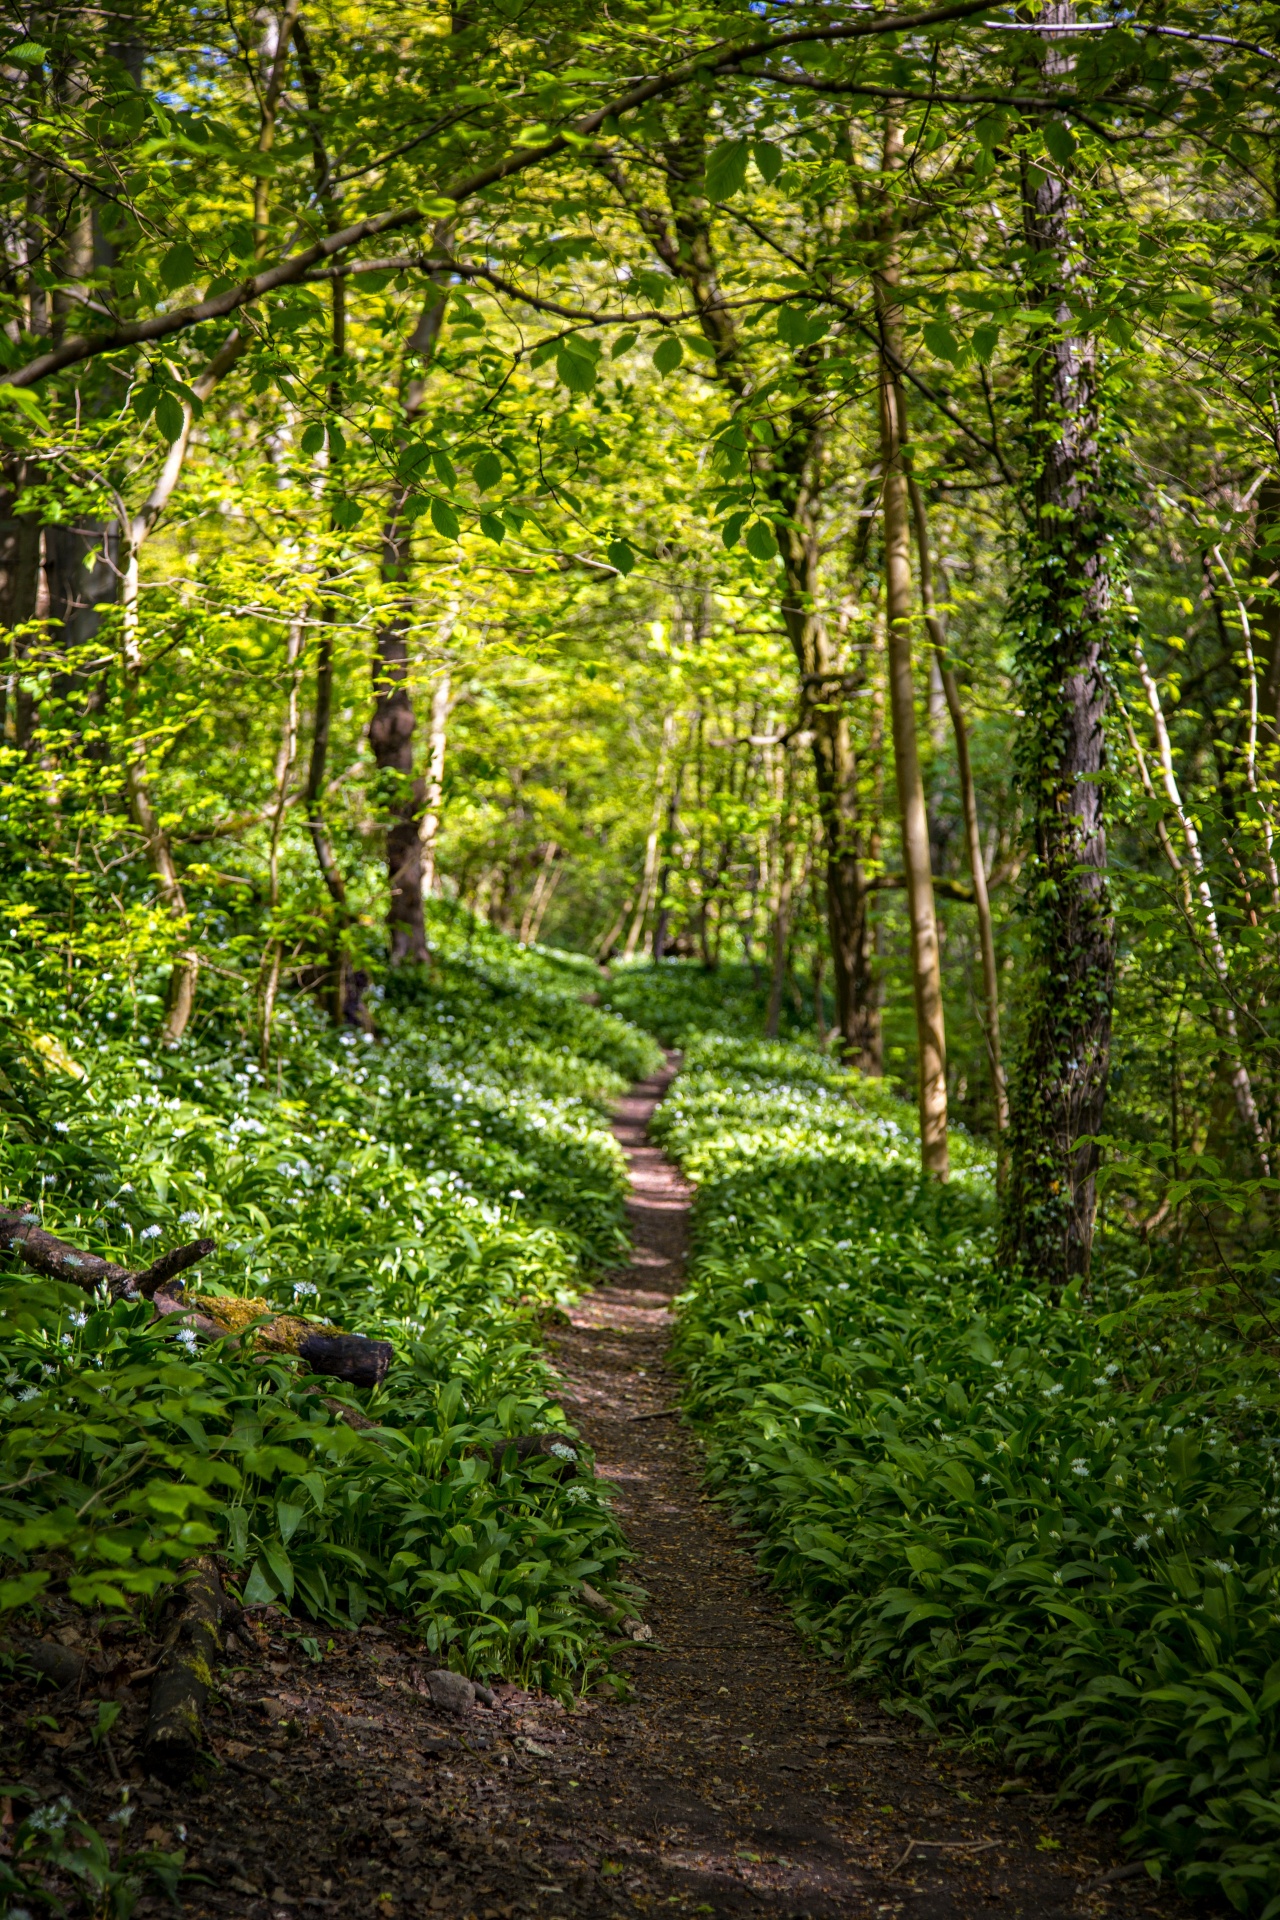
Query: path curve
{"points": [[753, 1780]]}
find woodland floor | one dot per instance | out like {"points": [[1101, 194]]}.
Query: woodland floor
{"points": [[744, 1777]]}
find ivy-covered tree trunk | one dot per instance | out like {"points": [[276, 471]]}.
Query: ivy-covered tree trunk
{"points": [[1060, 1084]]}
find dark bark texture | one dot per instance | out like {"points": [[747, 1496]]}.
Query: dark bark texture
{"points": [[1060, 1087]]}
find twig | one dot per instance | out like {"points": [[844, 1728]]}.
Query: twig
{"points": [[943, 1846]]}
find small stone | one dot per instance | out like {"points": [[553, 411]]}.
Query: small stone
{"points": [[637, 1629], [452, 1692], [484, 1695]]}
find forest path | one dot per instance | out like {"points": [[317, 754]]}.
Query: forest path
{"points": [[744, 1777]]}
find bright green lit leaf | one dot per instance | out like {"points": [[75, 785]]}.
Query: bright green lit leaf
{"points": [[487, 471], [668, 354], [575, 371], [312, 437], [170, 417]]}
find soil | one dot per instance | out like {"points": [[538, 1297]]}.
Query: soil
{"points": [[743, 1777]]}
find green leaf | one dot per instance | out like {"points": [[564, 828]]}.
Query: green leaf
{"points": [[178, 267], [29, 52], [574, 370], [731, 532], [346, 513], [621, 556], [727, 169], [1060, 141], [668, 354], [761, 543], [444, 467], [939, 339], [259, 1591], [623, 344], [289, 1518], [493, 526], [281, 1567], [312, 438], [170, 417], [444, 520], [768, 159], [984, 343], [144, 399], [798, 328], [487, 471]]}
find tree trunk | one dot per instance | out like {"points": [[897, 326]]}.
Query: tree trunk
{"points": [[950, 689], [926, 968], [792, 480], [644, 898], [391, 729], [1060, 1086], [433, 800]]}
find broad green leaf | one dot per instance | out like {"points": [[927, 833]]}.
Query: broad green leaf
{"points": [[1059, 140], [621, 556], [668, 354], [313, 438], [575, 371], [727, 169], [170, 416], [487, 471], [761, 541], [768, 159], [178, 267], [444, 520]]}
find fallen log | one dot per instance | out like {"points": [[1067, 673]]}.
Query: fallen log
{"points": [[323, 1350], [184, 1678], [22, 1233]]}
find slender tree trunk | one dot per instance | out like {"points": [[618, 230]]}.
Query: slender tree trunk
{"points": [[285, 760], [1241, 1081], [181, 991], [793, 481], [1060, 1086], [391, 729], [635, 932], [540, 896], [926, 968], [969, 802], [433, 799]]}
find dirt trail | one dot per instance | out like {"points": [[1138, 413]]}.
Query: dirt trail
{"points": [[743, 1778]]}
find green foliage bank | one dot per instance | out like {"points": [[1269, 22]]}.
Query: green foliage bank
{"points": [[1052, 1526], [440, 1184]]}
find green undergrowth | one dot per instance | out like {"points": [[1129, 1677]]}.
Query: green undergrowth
{"points": [[678, 999], [1053, 1527], [442, 1184]]}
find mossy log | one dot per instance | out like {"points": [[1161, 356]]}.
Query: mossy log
{"points": [[183, 1680], [325, 1350]]}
